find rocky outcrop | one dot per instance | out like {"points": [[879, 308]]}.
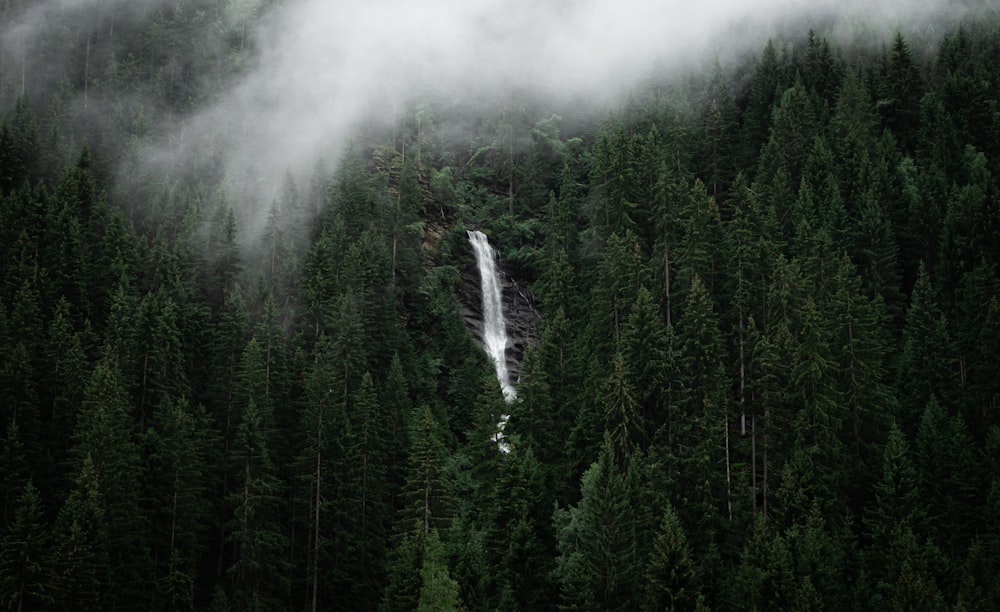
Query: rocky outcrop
{"points": [[520, 311]]}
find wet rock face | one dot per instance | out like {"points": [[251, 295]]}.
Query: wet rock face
{"points": [[520, 312]]}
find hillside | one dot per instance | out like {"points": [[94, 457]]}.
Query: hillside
{"points": [[765, 374]]}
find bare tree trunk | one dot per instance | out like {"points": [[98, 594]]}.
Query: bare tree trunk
{"points": [[766, 420], [729, 479], [753, 459], [316, 508], [666, 275], [86, 72], [419, 137], [510, 160]]}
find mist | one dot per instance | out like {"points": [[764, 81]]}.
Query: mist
{"points": [[320, 69], [324, 67]]}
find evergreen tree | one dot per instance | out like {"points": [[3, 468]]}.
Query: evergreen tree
{"points": [[598, 567], [620, 275], [25, 556], [324, 434], [792, 129], [366, 489], [105, 440], [670, 572], [949, 479], [902, 88], [925, 366], [176, 449], [81, 554], [427, 507], [702, 444], [896, 557], [645, 353], [257, 572], [396, 402], [438, 591], [622, 419]]}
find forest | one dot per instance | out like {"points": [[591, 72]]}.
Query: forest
{"points": [[766, 377]]}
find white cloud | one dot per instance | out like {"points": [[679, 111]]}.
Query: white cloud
{"points": [[325, 65]]}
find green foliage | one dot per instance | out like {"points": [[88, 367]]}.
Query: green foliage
{"points": [[598, 567], [764, 377], [26, 557], [672, 582], [438, 591]]}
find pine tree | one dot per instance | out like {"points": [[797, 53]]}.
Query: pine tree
{"points": [[765, 578], [819, 562], [257, 572], [366, 494], [620, 274], [324, 433], [425, 493], [670, 572], [769, 80], [792, 130], [81, 554], [176, 498], [105, 440], [612, 180], [645, 354], [896, 557], [949, 478], [427, 507], [622, 417], [67, 375], [696, 252], [702, 443], [926, 365], [438, 590], [598, 566], [25, 556], [900, 94], [525, 546]]}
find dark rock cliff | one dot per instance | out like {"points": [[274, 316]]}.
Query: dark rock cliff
{"points": [[520, 311]]}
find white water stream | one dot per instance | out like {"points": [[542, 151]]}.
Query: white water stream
{"points": [[494, 323]]}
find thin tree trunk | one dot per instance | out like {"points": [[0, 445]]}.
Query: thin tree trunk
{"points": [[316, 509], [729, 479], [753, 458], [173, 519], [666, 275], [142, 397], [766, 421], [86, 72]]}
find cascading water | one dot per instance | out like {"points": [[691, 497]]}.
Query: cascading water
{"points": [[494, 324]]}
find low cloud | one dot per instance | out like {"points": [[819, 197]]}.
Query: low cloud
{"points": [[324, 67]]}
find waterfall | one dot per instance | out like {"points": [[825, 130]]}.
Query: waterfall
{"points": [[494, 324]]}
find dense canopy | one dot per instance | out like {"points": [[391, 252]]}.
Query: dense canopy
{"points": [[767, 373]]}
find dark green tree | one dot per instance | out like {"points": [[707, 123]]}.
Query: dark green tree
{"points": [[175, 446], [598, 567], [26, 556], [927, 365], [900, 92], [438, 590], [672, 583], [255, 530], [81, 553], [105, 439]]}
